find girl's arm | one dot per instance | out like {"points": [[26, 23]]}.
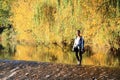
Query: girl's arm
{"points": [[82, 44], [73, 45]]}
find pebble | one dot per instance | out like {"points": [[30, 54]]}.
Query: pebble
{"points": [[26, 74], [47, 76]]}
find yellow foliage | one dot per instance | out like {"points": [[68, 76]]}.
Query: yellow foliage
{"points": [[22, 19]]}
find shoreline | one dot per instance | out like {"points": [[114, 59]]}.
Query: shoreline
{"points": [[21, 70]]}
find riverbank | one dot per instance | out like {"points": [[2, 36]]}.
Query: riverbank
{"points": [[31, 70]]}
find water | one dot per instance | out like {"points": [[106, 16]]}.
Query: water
{"points": [[47, 53], [53, 53]]}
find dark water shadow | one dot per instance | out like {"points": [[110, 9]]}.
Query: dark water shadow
{"points": [[88, 50], [113, 54], [1, 48], [118, 55], [8, 51]]}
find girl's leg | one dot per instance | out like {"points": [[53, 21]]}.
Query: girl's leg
{"points": [[80, 55], [77, 56]]}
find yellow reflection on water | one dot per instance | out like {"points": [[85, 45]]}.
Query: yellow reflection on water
{"points": [[56, 54], [24, 52], [41, 53], [95, 59]]}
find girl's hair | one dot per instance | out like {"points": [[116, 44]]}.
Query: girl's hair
{"points": [[78, 31]]}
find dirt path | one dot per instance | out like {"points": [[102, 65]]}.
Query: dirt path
{"points": [[28, 70]]}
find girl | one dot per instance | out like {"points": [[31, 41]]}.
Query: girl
{"points": [[78, 47]]}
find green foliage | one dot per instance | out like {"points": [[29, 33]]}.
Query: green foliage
{"points": [[44, 12], [110, 8], [115, 38], [5, 11]]}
